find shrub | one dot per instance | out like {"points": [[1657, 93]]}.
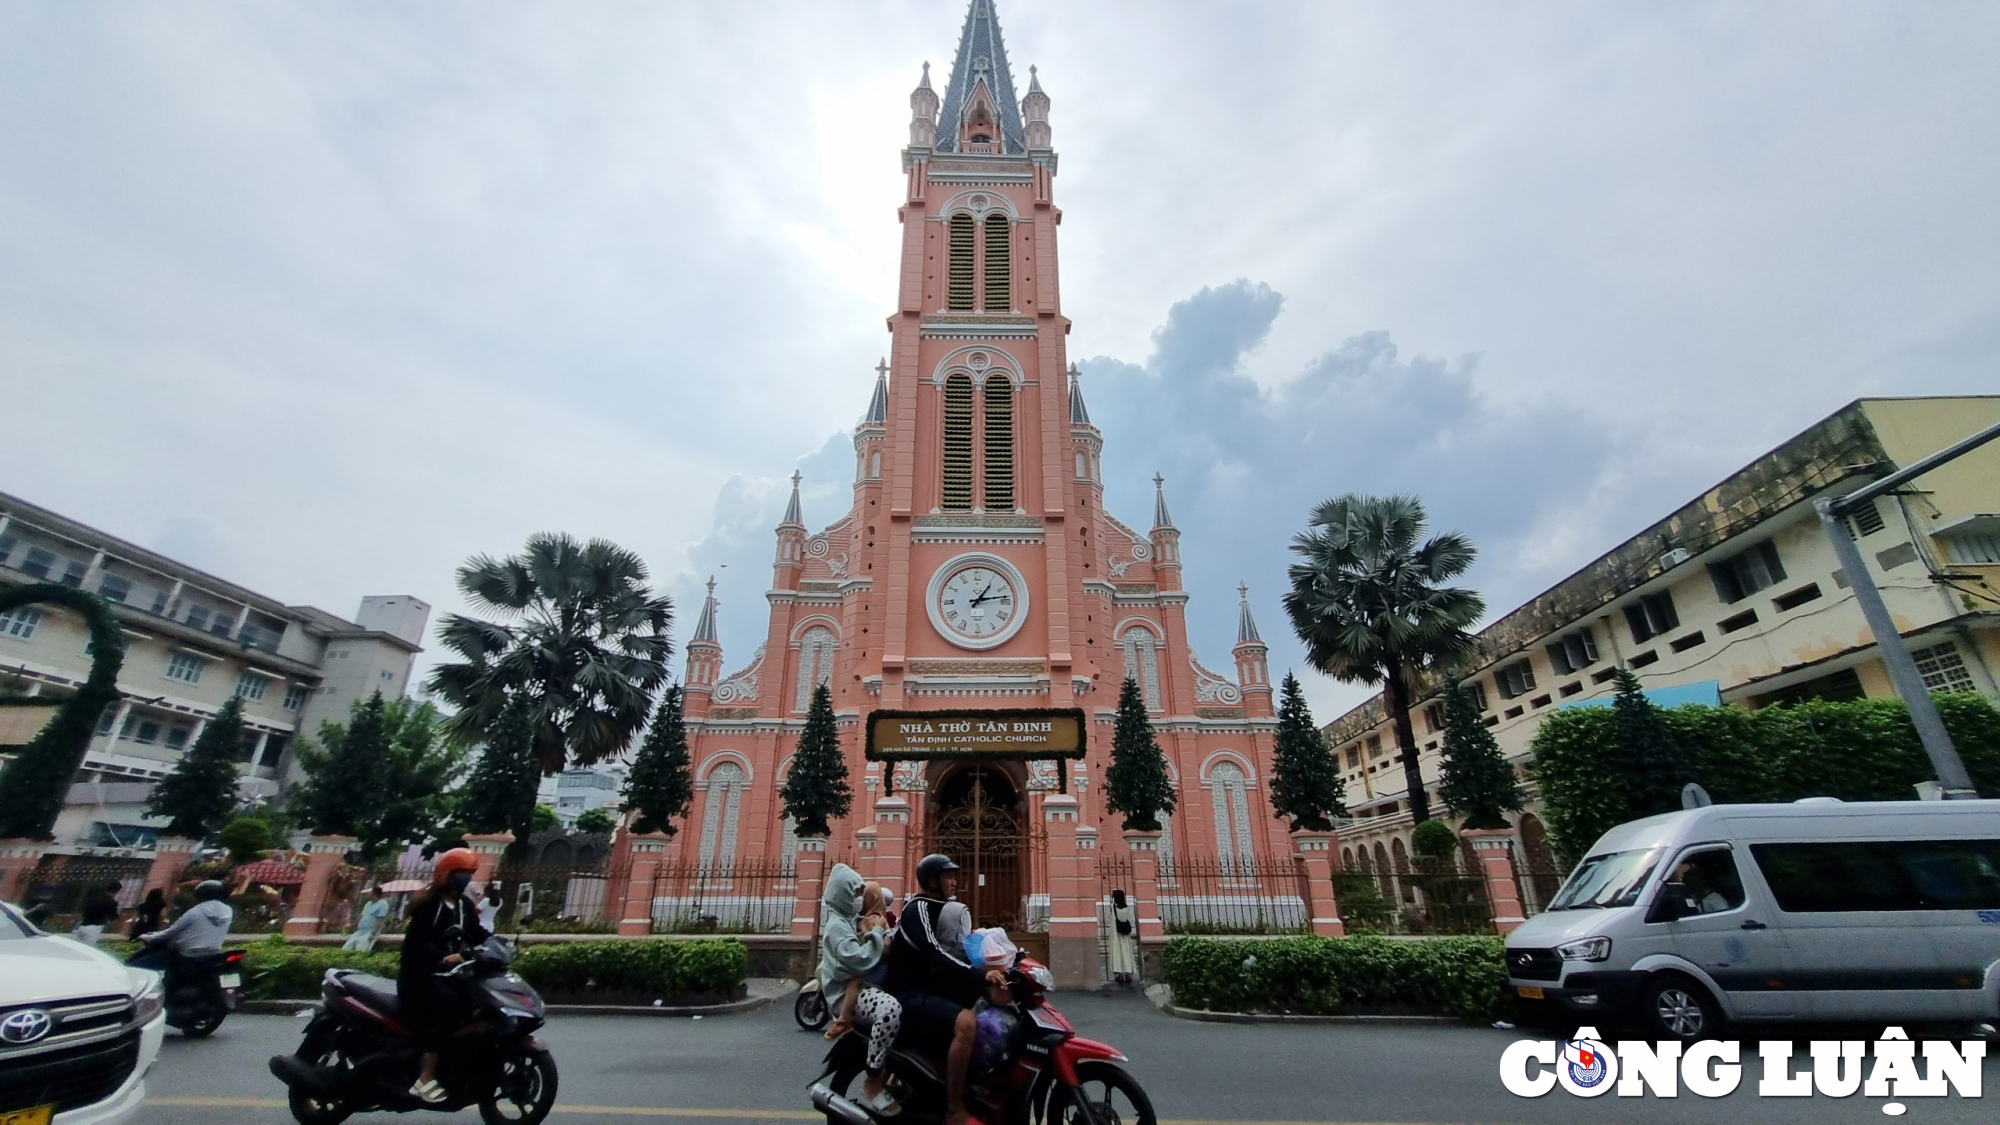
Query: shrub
{"points": [[274, 969], [1461, 976], [611, 971]]}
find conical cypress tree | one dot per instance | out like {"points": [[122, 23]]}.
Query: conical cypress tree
{"points": [[1137, 784], [1305, 783], [344, 776], [501, 795], [200, 794], [1477, 782], [1653, 766], [661, 785], [816, 790]]}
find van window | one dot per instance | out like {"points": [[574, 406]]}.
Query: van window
{"points": [[1610, 879], [1882, 875], [1711, 880]]}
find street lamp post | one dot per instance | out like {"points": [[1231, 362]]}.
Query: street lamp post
{"points": [[1896, 657]]}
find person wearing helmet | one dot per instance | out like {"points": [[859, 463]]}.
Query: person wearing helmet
{"points": [[443, 927], [198, 932], [929, 974]]}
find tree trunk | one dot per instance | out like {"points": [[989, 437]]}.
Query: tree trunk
{"points": [[1397, 695]]}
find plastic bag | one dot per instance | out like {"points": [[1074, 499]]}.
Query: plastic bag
{"points": [[990, 948]]}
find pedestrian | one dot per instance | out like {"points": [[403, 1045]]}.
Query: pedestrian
{"points": [[489, 906], [99, 911], [374, 913], [1124, 947], [151, 911]]}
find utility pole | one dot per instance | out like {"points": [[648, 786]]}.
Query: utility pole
{"points": [[1895, 654]]}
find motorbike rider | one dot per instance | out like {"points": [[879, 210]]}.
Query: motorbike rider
{"points": [[443, 925], [197, 933], [929, 974]]}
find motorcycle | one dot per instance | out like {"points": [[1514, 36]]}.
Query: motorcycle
{"points": [[810, 1008], [1044, 1073], [201, 990], [358, 1056]]}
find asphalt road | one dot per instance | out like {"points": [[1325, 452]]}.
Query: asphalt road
{"points": [[756, 1066]]}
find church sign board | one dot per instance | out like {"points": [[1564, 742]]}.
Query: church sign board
{"points": [[1038, 734]]}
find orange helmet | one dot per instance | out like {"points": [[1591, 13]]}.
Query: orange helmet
{"points": [[457, 859]]}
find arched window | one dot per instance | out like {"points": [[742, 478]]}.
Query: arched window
{"points": [[1165, 867], [815, 663], [957, 444], [788, 849], [719, 814], [1142, 663], [875, 464], [1347, 859], [1226, 788], [958, 288], [999, 444], [1401, 861], [1384, 874], [999, 265]]}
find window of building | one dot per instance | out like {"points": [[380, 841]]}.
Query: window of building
{"points": [[1142, 663], [999, 291], [1866, 520], [1642, 659], [105, 721], [958, 286], [113, 588], [1652, 615], [1682, 644], [7, 544], [197, 616], [39, 563], [1573, 652], [1353, 756], [251, 686], [1737, 623], [1604, 677], [1836, 687], [1515, 679], [177, 737], [999, 482], [1942, 668], [185, 667], [1973, 548], [20, 622], [1788, 602], [1374, 745], [1226, 788], [720, 810], [815, 663], [1434, 718], [295, 696], [1479, 695], [1747, 572], [957, 493], [147, 732], [159, 608]]}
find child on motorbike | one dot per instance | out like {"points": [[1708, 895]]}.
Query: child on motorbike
{"points": [[851, 946]]}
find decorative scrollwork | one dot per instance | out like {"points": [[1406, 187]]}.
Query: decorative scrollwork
{"points": [[817, 547], [742, 685], [1211, 688]]}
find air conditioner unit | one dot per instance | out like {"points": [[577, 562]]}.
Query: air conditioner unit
{"points": [[1674, 558]]}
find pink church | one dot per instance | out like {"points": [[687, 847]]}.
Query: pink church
{"points": [[978, 576]]}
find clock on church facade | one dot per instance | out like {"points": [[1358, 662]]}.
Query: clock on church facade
{"points": [[977, 575]]}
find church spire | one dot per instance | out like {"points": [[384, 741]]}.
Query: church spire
{"points": [[1160, 517], [878, 404], [704, 626], [1078, 416], [792, 516], [981, 83], [1246, 626]]}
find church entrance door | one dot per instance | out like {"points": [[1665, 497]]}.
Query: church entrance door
{"points": [[977, 821]]}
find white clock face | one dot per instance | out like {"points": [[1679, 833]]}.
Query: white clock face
{"points": [[977, 603]]}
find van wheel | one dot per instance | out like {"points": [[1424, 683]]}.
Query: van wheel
{"points": [[1675, 1007]]}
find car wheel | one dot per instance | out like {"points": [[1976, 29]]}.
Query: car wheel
{"points": [[1676, 1007]]}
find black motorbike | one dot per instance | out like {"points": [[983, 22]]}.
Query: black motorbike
{"points": [[201, 990], [357, 1055]]}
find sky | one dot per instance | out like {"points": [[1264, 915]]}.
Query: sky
{"points": [[327, 298]]}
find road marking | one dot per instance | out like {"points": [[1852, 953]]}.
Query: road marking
{"points": [[679, 1111]]}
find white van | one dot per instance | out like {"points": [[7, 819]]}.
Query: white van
{"points": [[1819, 910]]}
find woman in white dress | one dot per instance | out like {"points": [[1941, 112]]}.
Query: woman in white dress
{"points": [[1124, 939]]}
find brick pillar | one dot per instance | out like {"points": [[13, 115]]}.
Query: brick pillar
{"points": [[1072, 865], [18, 860], [1494, 847], [892, 845], [488, 846], [1316, 856], [647, 851], [326, 854], [171, 855], [810, 872], [1145, 892]]}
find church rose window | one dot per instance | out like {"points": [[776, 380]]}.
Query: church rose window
{"points": [[958, 291], [999, 444], [957, 444], [999, 293]]}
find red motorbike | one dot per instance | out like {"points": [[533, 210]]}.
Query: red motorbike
{"points": [[1042, 1072]]}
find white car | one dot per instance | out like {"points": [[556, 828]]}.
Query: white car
{"points": [[78, 1030]]}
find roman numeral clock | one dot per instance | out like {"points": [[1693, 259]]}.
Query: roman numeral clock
{"points": [[977, 600]]}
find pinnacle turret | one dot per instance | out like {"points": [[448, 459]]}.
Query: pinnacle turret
{"points": [[878, 403], [1160, 517], [1078, 416], [792, 515], [1246, 626], [704, 626]]}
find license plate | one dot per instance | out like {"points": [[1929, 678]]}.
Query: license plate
{"points": [[229, 980], [1528, 992], [40, 1115]]}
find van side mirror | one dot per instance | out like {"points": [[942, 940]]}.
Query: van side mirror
{"points": [[1670, 905]]}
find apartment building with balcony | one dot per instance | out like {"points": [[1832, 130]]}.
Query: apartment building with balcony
{"points": [[194, 640], [1735, 598]]}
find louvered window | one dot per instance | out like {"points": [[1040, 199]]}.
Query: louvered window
{"points": [[959, 293], [999, 444], [957, 444], [999, 297]]}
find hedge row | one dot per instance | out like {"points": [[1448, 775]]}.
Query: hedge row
{"points": [[612, 971], [1459, 976], [1858, 750]]}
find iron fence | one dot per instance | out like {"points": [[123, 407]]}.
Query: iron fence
{"points": [[553, 897], [1445, 902], [63, 883], [1232, 895], [746, 897]]}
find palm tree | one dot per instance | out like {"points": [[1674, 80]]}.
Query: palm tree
{"points": [[1369, 602], [585, 641]]}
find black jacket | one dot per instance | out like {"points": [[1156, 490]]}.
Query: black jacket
{"points": [[918, 962], [428, 940]]}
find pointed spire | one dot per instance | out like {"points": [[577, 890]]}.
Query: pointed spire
{"points": [[1160, 517], [925, 84], [1246, 626], [792, 516], [1078, 416], [981, 59], [878, 404], [704, 626], [1034, 81]]}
